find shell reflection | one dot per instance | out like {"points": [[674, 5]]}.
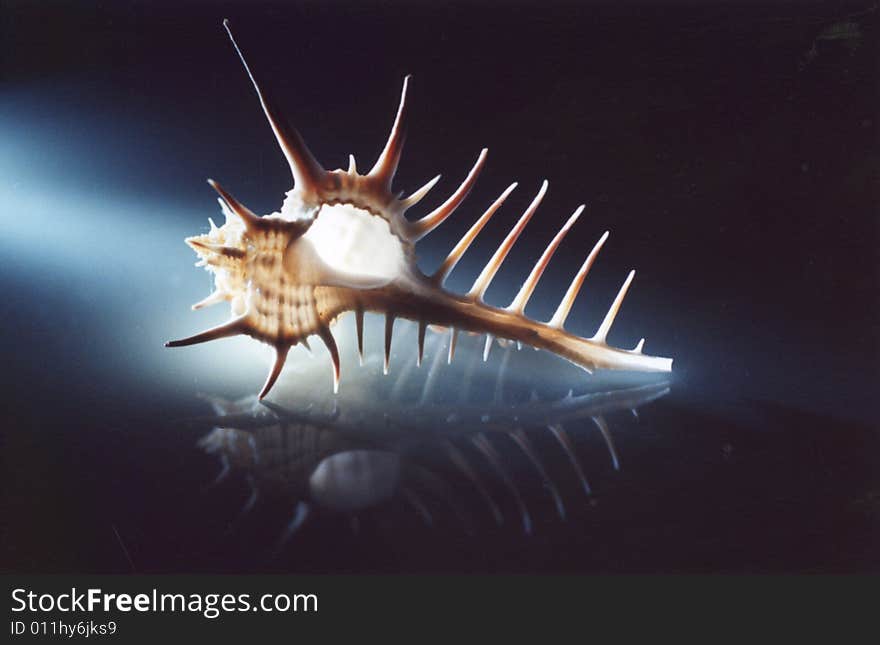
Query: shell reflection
{"points": [[467, 443]]}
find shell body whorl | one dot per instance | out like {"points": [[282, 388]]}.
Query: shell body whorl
{"points": [[342, 242]]}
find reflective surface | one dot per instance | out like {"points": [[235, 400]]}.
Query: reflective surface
{"points": [[403, 436], [730, 151]]}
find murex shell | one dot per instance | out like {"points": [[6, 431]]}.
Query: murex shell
{"points": [[341, 242]]}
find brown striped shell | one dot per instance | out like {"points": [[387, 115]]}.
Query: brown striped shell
{"points": [[342, 242]]}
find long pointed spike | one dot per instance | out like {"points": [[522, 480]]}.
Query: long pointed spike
{"points": [[227, 212], [359, 324], [464, 243], [419, 195], [213, 299], [432, 220], [352, 165], [609, 441], [418, 506], [458, 458], [522, 298], [327, 336], [488, 451], [639, 347], [300, 515], [490, 339], [389, 329], [252, 499], [422, 327], [229, 251], [485, 278], [232, 328], [249, 218], [521, 439], [605, 327], [225, 469], [568, 447], [386, 164], [558, 319], [453, 340], [280, 358], [307, 172]]}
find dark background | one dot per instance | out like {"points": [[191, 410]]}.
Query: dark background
{"points": [[737, 173]]}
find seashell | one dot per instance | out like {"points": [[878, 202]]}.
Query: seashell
{"points": [[342, 243]]}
